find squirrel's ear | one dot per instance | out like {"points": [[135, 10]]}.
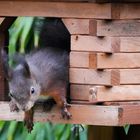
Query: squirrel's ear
{"points": [[20, 59], [7, 70], [26, 69]]}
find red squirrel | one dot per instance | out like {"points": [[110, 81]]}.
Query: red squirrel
{"points": [[43, 71]]}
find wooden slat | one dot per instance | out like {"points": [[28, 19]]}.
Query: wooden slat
{"points": [[129, 11], [98, 1], [130, 76], [55, 9], [122, 103], [129, 114], [90, 76], [129, 44], [105, 44], [106, 77], [118, 60], [102, 60], [104, 94], [80, 26], [75, 10], [90, 43], [117, 1], [54, 0], [88, 114], [85, 116], [119, 28], [82, 59]]}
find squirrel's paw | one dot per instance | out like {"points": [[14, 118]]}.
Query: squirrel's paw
{"points": [[28, 120], [65, 113], [29, 124], [13, 106]]}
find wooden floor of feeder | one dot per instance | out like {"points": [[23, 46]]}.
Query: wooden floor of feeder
{"points": [[81, 114]]}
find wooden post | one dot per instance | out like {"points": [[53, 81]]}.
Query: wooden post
{"points": [[4, 41]]}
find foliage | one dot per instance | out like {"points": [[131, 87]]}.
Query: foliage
{"points": [[24, 34], [126, 128], [16, 131]]}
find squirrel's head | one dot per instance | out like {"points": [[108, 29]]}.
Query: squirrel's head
{"points": [[23, 87]]}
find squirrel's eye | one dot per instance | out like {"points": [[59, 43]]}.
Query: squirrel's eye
{"points": [[32, 90]]}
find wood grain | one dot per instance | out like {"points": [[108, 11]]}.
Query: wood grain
{"points": [[104, 94], [80, 26], [90, 43], [83, 60], [99, 115], [104, 61], [118, 60], [82, 117], [55, 9], [91, 76], [105, 44], [130, 76], [129, 28]]}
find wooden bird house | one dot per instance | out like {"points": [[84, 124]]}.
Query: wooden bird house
{"points": [[104, 58]]}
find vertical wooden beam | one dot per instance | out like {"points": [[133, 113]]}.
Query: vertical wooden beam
{"points": [[100, 133], [4, 41]]}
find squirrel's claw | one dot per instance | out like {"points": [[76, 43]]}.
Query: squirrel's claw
{"points": [[65, 113], [29, 124], [28, 120]]}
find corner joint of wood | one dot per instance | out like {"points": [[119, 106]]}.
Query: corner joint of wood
{"points": [[115, 77], [93, 60]]}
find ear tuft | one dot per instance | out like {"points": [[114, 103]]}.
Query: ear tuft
{"points": [[20, 59]]}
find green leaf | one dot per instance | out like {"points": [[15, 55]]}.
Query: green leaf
{"points": [[126, 128], [11, 130]]}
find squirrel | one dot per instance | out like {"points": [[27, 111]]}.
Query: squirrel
{"points": [[41, 72]]}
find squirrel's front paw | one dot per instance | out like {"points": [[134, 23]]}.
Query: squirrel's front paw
{"points": [[65, 113], [29, 124], [13, 106], [28, 120]]}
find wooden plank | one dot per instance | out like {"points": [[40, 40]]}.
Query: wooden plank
{"points": [[104, 94], [129, 44], [91, 76], [122, 103], [129, 11], [105, 44], [54, 0], [85, 116], [125, 11], [118, 28], [55, 9], [118, 60], [89, 114], [130, 76], [102, 60], [90, 43], [80, 92], [129, 114], [117, 1], [82, 60], [98, 1], [80, 26]]}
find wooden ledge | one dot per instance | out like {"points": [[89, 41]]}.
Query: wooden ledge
{"points": [[81, 114]]}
